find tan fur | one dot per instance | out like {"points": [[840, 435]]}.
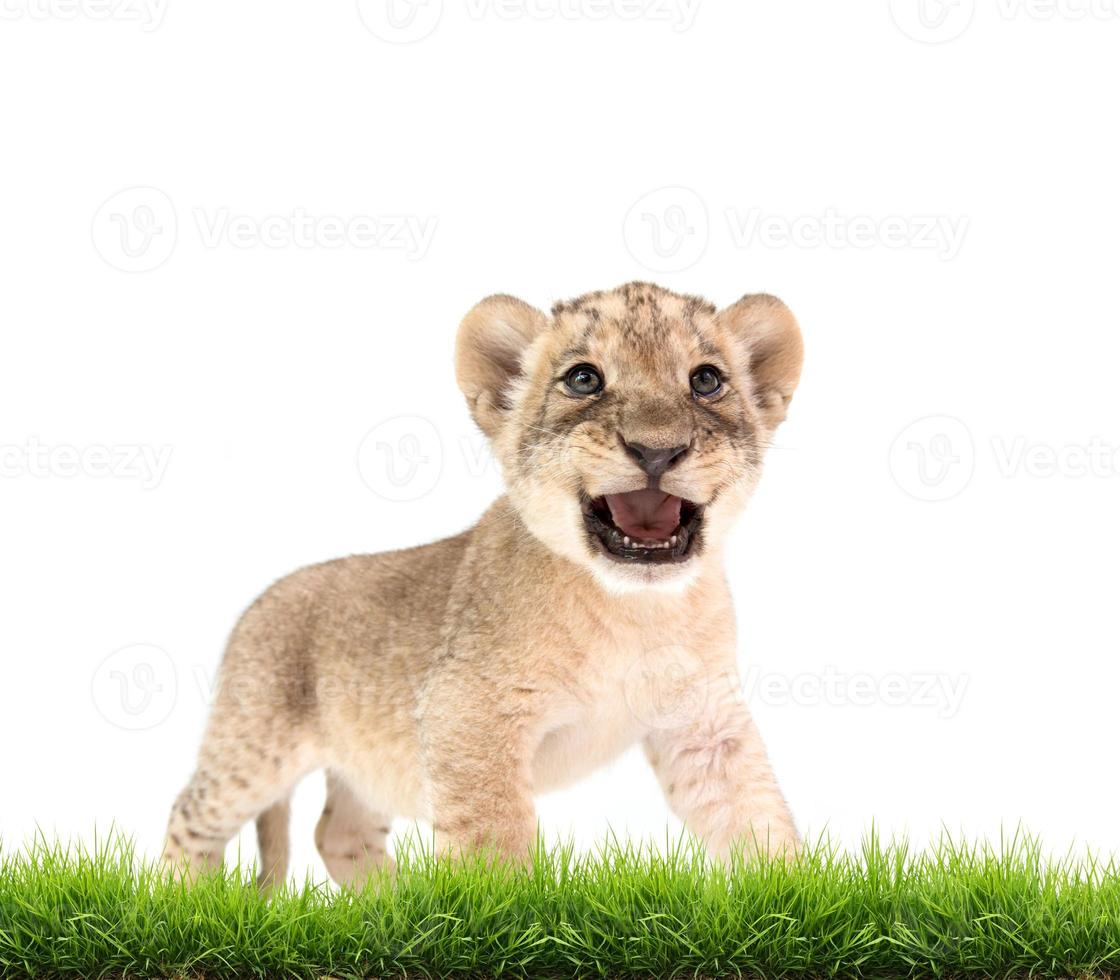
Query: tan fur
{"points": [[452, 681]]}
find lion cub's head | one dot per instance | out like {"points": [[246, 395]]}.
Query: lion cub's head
{"points": [[630, 424]]}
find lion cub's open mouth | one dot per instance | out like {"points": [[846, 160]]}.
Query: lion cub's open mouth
{"points": [[643, 525]]}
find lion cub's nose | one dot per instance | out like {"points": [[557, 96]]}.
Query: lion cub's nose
{"points": [[654, 461]]}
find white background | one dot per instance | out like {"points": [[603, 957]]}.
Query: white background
{"points": [[932, 190]]}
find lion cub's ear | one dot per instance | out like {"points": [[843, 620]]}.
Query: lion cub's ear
{"points": [[773, 342], [492, 338]]}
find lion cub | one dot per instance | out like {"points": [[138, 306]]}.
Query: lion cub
{"points": [[586, 611]]}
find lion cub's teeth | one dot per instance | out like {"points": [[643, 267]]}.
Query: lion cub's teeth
{"points": [[650, 545]]}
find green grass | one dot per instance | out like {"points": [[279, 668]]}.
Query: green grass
{"points": [[955, 910]]}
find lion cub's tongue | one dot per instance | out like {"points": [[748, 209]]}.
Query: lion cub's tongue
{"points": [[648, 515]]}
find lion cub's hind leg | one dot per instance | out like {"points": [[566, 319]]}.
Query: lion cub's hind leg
{"points": [[351, 836], [227, 790], [273, 842]]}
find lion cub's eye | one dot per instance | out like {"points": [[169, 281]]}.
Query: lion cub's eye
{"points": [[583, 379], [705, 380]]}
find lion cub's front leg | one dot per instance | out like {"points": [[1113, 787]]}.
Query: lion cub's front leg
{"points": [[717, 777], [479, 737]]}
